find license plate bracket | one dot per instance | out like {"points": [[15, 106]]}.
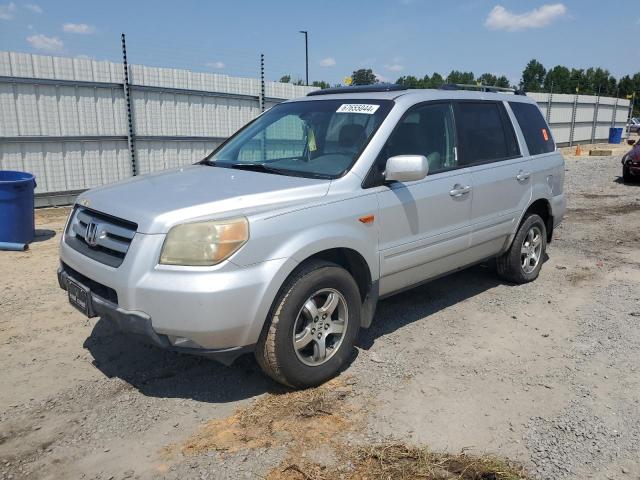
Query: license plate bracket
{"points": [[79, 297]]}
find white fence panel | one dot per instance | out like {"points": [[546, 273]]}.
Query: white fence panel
{"points": [[66, 119]]}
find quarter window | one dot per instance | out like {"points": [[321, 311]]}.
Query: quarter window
{"points": [[484, 133], [534, 128]]}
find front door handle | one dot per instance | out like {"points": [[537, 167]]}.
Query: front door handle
{"points": [[459, 190], [523, 176]]}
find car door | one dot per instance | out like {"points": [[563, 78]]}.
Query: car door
{"points": [[501, 176], [424, 225]]}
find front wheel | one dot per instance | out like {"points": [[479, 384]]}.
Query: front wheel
{"points": [[312, 326], [626, 174], [523, 261]]}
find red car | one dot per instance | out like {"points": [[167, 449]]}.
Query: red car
{"points": [[631, 164]]}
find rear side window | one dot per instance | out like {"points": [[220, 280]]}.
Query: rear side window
{"points": [[534, 128], [485, 133]]}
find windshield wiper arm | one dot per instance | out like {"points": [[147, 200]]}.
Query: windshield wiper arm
{"points": [[257, 167]]}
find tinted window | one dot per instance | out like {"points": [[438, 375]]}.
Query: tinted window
{"points": [[534, 128], [426, 130], [484, 133]]}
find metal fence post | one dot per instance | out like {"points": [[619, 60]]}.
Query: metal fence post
{"points": [[549, 103], [262, 87], [595, 119], [630, 114], [127, 98], [573, 120], [615, 113]]}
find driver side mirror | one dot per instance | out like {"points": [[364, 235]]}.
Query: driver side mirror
{"points": [[406, 168]]}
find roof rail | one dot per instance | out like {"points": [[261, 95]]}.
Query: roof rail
{"points": [[379, 87], [482, 88]]}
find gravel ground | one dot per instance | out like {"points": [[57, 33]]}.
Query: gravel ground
{"points": [[546, 373]]}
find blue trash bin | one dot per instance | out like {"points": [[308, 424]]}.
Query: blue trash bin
{"points": [[615, 135], [17, 224]]}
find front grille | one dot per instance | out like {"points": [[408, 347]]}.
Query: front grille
{"points": [[101, 237], [96, 288]]}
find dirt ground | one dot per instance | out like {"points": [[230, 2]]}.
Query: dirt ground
{"points": [[546, 374]]}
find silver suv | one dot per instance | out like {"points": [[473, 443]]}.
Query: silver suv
{"points": [[282, 240]]}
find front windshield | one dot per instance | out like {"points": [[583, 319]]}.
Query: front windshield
{"points": [[316, 138]]}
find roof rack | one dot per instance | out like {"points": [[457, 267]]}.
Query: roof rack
{"points": [[379, 87], [481, 88]]}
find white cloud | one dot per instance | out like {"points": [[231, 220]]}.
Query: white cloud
{"points": [[394, 67], [81, 28], [49, 44], [502, 19], [215, 65], [7, 11], [33, 7], [328, 62]]}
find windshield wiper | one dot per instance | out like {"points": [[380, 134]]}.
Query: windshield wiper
{"points": [[256, 167]]}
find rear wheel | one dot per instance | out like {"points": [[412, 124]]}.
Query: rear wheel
{"points": [[523, 261], [312, 326]]}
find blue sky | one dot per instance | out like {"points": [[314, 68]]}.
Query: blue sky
{"points": [[393, 37]]}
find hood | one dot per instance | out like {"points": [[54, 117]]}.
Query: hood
{"points": [[158, 201]]}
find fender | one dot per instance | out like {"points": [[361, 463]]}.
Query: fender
{"points": [[301, 234]]}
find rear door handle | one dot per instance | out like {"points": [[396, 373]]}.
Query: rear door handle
{"points": [[459, 190], [523, 176]]}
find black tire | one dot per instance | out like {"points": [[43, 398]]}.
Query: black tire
{"points": [[626, 175], [275, 351], [509, 264]]}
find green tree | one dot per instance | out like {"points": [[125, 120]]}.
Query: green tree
{"points": [[410, 82], [436, 80], [488, 79], [533, 76], [557, 80], [464, 78], [502, 82], [577, 81], [363, 76], [285, 79], [321, 84]]}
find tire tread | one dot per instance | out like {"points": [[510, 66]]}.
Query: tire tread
{"points": [[266, 347]]}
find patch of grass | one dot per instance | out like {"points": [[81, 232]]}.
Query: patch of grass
{"points": [[312, 415], [401, 462]]}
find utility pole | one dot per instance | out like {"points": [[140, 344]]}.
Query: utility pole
{"points": [[306, 55]]}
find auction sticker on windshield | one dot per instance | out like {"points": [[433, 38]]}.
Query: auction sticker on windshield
{"points": [[358, 108]]}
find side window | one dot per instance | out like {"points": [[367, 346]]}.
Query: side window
{"points": [[534, 128], [485, 133], [426, 130]]}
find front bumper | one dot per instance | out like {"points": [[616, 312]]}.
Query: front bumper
{"points": [[209, 309], [139, 324]]}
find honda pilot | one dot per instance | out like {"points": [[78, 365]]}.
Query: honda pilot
{"points": [[282, 240]]}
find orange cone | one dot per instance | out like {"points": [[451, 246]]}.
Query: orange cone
{"points": [[578, 151]]}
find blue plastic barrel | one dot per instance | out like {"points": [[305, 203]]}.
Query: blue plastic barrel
{"points": [[615, 135], [16, 207]]}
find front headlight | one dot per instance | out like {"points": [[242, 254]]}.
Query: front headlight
{"points": [[204, 243]]}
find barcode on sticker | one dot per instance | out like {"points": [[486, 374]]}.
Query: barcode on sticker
{"points": [[358, 108]]}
